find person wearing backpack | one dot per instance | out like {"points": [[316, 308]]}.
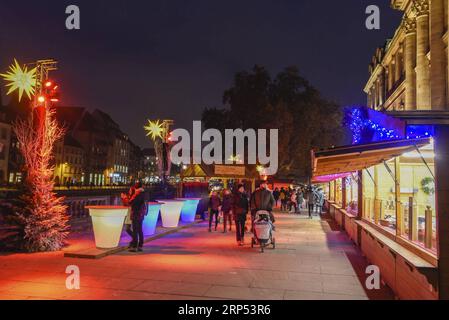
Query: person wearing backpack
{"points": [[138, 212]]}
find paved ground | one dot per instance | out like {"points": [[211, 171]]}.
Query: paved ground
{"points": [[310, 262]]}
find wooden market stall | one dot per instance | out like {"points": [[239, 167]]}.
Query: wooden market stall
{"points": [[379, 196], [220, 176]]}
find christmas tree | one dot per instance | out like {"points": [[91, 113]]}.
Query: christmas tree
{"points": [[42, 217]]}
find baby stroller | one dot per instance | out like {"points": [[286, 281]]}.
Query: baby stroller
{"points": [[263, 231]]}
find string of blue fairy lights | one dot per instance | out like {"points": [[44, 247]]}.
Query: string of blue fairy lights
{"points": [[359, 124]]}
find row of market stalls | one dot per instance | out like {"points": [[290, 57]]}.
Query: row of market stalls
{"points": [[198, 179], [391, 197]]}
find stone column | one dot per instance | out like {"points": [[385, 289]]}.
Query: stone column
{"points": [[422, 49], [398, 66], [375, 95], [390, 74], [370, 99], [381, 88], [410, 63], [438, 59]]}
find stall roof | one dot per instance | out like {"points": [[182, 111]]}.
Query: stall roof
{"points": [[220, 171], [353, 158]]}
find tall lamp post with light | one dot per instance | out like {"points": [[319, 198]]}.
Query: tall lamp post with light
{"points": [[159, 132]]}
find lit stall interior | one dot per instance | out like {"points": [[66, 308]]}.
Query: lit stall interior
{"points": [[398, 189]]}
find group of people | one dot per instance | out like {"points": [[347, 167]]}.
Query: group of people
{"points": [[294, 200], [235, 206], [232, 206]]}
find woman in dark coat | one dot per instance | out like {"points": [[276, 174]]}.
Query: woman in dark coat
{"points": [[226, 208], [214, 209], [138, 213], [240, 211]]}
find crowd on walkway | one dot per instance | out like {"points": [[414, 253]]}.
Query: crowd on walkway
{"points": [[239, 206], [294, 200]]}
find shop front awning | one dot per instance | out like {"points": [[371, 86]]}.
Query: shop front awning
{"points": [[328, 165]]}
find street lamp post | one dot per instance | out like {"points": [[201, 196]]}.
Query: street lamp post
{"points": [[159, 132]]}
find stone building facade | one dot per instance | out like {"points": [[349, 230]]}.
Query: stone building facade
{"points": [[411, 71], [69, 162]]}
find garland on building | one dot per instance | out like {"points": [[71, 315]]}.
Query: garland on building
{"points": [[366, 130], [428, 186]]}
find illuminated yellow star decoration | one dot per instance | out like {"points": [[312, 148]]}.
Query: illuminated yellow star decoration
{"points": [[155, 129], [20, 79]]}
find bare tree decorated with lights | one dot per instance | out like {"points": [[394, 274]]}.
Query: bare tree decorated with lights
{"points": [[41, 217]]}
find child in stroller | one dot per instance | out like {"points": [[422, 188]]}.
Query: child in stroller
{"points": [[263, 231]]}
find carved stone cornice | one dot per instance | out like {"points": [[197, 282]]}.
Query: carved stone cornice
{"points": [[421, 7], [409, 25]]}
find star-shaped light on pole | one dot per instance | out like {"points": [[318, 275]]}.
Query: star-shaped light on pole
{"points": [[155, 129], [20, 79]]}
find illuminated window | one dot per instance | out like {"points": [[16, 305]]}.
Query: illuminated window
{"points": [[418, 197]]}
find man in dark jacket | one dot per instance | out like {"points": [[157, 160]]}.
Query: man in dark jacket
{"points": [[262, 199], [226, 208], [138, 213], [240, 207], [214, 209], [310, 200]]}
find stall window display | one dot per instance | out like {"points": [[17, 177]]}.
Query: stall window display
{"points": [[339, 192], [352, 195], [368, 194], [417, 197], [413, 218]]}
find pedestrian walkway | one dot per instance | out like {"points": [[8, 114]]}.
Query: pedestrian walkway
{"points": [[311, 261]]}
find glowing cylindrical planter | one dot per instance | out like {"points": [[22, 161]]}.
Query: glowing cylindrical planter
{"points": [[108, 224], [170, 212], [150, 221], [188, 212]]}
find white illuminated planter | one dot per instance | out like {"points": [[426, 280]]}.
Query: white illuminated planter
{"points": [[150, 221], [108, 224], [188, 212], [170, 212]]}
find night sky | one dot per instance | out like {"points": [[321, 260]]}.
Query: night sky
{"points": [[172, 58]]}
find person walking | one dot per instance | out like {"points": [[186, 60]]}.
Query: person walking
{"points": [[262, 200], [293, 202], [214, 209], [226, 208], [310, 200], [276, 195], [300, 199], [320, 200], [283, 196], [138, 213], [240, 207], [288, 199]]}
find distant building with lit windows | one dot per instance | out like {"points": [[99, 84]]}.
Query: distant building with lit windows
{"points": [[150, 165], [69, 162], [119, 151]]}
